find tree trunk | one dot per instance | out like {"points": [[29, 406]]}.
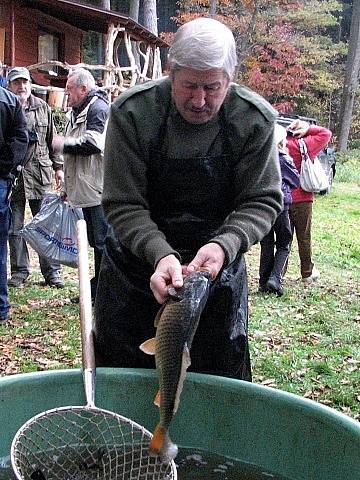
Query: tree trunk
{"points": [[351, 79], [134, 14], [150, 22], [150, 16], [212, 10], [134, 10], [105, 4]]}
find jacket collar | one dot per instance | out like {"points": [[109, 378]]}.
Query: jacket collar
{"points": [[33, 103]]}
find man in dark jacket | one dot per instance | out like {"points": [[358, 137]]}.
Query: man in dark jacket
{"points": [[13, 146], [34, 181]]}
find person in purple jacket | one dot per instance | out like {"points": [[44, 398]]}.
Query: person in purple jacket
{"points": [[275, 246]]}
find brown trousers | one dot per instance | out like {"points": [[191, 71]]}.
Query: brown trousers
{"points": [[300, 217]]}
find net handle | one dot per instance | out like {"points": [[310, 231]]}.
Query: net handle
{"points": [[86, 322]]}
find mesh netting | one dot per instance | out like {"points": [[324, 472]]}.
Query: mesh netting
{"points": [[77, 443]]}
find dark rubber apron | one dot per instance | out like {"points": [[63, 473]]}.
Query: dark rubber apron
{"points": [[189, 199]]}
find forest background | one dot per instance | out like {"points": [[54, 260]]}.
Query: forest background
{"points": [[303, 56]]}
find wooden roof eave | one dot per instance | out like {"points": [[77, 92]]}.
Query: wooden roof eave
{"points": [[87, 17]]}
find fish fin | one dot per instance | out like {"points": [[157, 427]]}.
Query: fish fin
{"points": [[185, 364], [186, 358], [148, 346], [158, 315], [162, 445], [157, 398]]}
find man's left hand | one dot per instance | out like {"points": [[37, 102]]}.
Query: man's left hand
{"points": [[59, 178], [211, 257], [168, 272]]}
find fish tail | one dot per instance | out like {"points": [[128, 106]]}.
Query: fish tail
{"points": [[162, 445]]}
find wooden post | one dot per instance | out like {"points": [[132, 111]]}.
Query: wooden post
{"points": [[109, 56], [146, 58], [134, 70]]}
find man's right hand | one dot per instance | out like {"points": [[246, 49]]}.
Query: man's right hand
{"points": [[168, 272]]}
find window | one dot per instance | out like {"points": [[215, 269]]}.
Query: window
{"points": [[48, 49]]}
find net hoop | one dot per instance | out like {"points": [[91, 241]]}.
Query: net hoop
{"points": [[79, 437]]}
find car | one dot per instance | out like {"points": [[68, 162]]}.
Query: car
{"points": [[327, 155], [328, 161]]}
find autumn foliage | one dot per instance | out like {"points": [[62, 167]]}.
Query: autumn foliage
{"points": [[270, 61], [274, 70]]}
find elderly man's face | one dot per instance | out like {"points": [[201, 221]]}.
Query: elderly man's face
{"points": [[76, 93], [22, 88], [198, 95]]}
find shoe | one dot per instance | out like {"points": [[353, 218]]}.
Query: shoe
{"points": [[17, 280], [55, 282], [274, 286], [315, 274], [262, 289]]}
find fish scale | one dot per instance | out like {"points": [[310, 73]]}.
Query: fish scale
{"points": [[174, 325]]}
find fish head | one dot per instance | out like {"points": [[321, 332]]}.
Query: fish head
{"points": [[196, 284]]}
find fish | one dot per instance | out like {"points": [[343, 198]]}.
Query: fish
{"points": [[176, 324]]}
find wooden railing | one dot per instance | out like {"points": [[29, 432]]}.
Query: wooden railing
{"points": [[143, 65]]}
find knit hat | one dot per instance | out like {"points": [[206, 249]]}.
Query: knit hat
{"points": [[280, 134], [18, 72]]}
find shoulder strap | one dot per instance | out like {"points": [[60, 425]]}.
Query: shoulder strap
{"points": [[303, 150]]}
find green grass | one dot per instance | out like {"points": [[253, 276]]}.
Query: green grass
{"points": [[348, 166], [44, 328], [306, 342]]}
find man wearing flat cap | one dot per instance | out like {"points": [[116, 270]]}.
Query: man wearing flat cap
{"points": [[35, 179]]}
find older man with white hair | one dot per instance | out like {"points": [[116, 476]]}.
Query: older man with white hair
{"points": [[191, 181], [82, 148]]}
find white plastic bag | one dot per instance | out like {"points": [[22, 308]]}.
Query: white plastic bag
{"points": [[312, 175], [52, 232]]}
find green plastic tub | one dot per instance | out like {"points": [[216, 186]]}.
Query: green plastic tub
{"points": [[280, 432]]}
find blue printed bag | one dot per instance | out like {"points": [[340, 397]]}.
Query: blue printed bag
{"points": [[52, 232]]}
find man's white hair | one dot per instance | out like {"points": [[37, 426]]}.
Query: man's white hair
{"points": [[204, 44], [83, 77]]}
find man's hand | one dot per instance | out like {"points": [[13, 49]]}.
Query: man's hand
{"points": [[299, 128], [168, 272], [59, 178], [210, 257], [58, 143]]}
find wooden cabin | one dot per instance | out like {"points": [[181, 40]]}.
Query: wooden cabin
{"points": [[46, 36]]}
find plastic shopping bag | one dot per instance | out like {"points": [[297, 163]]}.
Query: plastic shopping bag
{"points": [[52, 232]]}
